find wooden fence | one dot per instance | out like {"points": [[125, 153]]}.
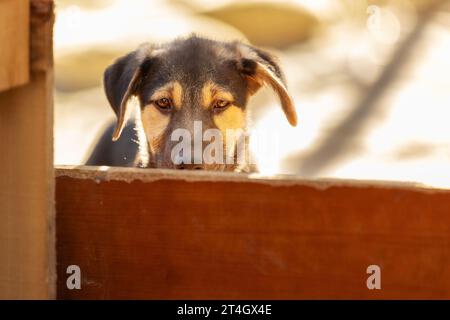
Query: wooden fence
{"points": [[163, 234], [139, 233]]}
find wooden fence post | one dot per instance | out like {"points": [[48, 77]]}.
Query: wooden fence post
{"points": [[27, 258]]}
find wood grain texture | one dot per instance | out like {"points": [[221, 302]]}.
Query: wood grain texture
{"points": [[14, 40], [27, 248], [165, 235]]}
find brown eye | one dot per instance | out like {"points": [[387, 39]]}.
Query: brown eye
{"points": [[163, 103], [221, 104]]}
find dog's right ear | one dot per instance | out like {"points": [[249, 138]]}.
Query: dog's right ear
{"points": [[261, 68], [121, 80]]}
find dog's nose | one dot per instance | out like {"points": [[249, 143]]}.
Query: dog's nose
{"points": [[183, 166]]}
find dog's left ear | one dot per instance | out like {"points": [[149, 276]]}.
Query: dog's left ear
{"points": [[261, 68], [121, 80]]}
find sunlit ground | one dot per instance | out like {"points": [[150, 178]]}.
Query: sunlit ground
{"points": [[332, 59]]}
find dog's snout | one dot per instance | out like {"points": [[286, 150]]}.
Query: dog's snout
{"points": [[183, 166]]}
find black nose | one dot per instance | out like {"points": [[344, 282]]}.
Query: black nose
{"points": [[183, 166]]}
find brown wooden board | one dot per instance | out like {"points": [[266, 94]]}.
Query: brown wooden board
{"points": [[151, 234], [26, 190], [27, 260], [14, 43]]}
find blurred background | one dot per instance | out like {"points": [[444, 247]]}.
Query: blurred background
{"points": [[370, 78]]}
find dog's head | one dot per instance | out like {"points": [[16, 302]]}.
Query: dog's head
{"points": [[187, 81]]}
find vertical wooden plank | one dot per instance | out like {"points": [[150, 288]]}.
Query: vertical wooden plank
{"points": [[14, 42], [27, 260]]}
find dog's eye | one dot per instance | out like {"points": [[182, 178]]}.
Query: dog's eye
{"points": [[221, 104], [163, 103]]}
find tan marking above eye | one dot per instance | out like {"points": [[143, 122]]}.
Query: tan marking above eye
{"points": [[154, 123], [212, 92], [177, 94], [173, 91]]}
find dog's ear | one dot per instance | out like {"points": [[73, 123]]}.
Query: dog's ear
{"points": [[121, 80], [261, 68]]}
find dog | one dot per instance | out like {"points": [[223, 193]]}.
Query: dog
{"points": [[178, 84]]}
